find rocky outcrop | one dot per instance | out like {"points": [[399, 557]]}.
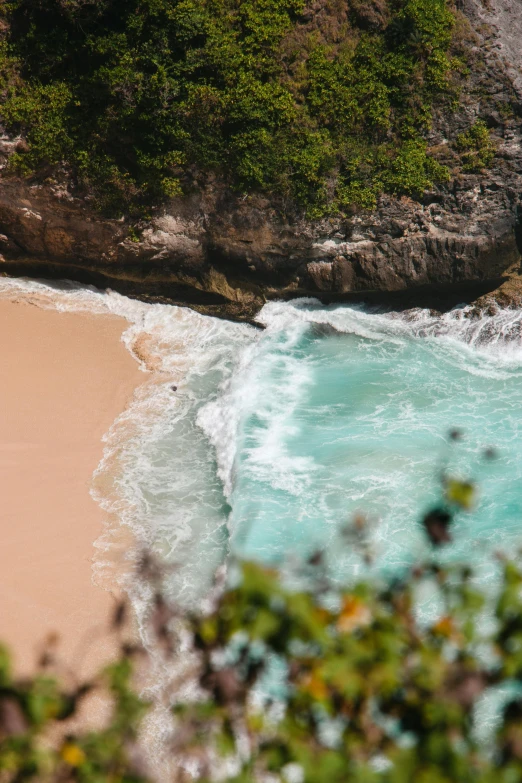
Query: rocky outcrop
{"points": [[227, 254]]}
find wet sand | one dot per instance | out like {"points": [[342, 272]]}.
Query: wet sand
{"points": [[64, 378]]}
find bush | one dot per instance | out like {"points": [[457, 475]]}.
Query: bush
{"points": [[315, 106], [475, 147], [323, 684], [289, 676]]}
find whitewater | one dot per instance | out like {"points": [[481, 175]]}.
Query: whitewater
{"points": [[276, 436]]}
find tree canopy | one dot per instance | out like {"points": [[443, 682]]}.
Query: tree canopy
{"points": [[321, 104]]}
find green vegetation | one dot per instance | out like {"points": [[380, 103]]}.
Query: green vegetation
{"points": [[475, 147], [322, 108], [30, 708], [371, 693], [295, 678]]}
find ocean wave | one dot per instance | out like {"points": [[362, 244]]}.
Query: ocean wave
{"points": [[479, 329], [256, 398], [157, 474]]}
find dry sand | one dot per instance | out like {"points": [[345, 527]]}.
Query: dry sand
{"points": [[64, 378]]}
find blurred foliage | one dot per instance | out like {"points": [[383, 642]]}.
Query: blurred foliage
{"points": [[366, 691], [323, 105], [291, 677], [32, 708]]}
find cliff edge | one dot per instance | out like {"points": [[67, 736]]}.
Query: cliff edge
{"points": [[227, 253]]}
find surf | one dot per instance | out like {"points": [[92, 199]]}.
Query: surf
{"points": [[276, 437]]}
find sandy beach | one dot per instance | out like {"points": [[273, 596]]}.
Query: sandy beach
{"points": [[65, 377]]}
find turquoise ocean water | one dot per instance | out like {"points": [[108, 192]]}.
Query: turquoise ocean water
{"points": [[339, 410], [277, 436]]}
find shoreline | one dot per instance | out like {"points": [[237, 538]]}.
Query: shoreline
{"points": [[66, 376], [502, 288]]}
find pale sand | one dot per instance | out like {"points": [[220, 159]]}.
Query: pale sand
{"points": [[64, 378]]}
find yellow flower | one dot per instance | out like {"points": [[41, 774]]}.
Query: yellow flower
{"points": [[72, 754], [444, 627], [462, 493], [316, 686], [354, 614]]}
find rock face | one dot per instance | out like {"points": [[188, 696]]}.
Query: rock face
{"points": [[227, 254], [505, 16]]}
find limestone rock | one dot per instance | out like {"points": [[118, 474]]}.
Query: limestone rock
{"points": [[228, 254]]}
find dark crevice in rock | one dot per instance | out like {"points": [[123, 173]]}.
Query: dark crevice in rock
{"points": [[518, 228], [434, 297], [131, 284], [442, 297]]}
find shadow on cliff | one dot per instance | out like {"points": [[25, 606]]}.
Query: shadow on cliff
{"points": [[435, 297]]}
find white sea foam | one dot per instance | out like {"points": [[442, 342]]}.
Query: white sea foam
{"points": [[482, 331], [156, 472], [285, 377]]}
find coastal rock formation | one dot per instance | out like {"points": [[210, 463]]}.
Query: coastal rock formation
{"points": [[228, 254]]}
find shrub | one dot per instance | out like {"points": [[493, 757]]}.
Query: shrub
{"points": [[326, 683], [475, 147], [290, 676]]}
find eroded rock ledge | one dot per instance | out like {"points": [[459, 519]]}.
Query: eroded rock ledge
{"points": [[226, 255]]}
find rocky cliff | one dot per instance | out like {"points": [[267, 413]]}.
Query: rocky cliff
{"points": [[227, 254]]}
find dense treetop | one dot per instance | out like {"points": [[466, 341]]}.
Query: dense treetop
{"points": [[322, 104]]}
